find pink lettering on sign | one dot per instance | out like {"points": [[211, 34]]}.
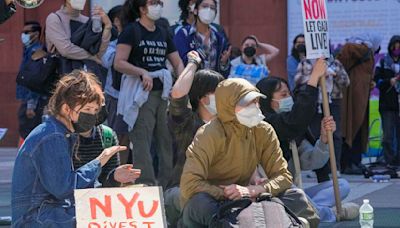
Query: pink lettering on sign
{"points": [[314, 9]]}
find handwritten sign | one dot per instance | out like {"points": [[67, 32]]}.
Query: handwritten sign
{"points": [[315, 22], [120, 207]]}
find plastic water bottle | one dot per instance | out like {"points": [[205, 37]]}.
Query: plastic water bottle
{"points": [[380, 178], [366, 215], [97, 25]]}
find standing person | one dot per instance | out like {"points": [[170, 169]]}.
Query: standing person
{"points": [[386, 77], [198, 88], [115, 120], [7, 9], [59, 30], [187, 17], [225, 153], [142, 51], [31, 109], [251, 66], [211, 45], [44, 180], [357, 57], [297, 54]]}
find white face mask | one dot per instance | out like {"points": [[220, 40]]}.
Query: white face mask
{"points": [[191, 8], [250, 116], [285, 104], [207, 15], [155, 12], [212, 107], [78, 4], [26, 39]]}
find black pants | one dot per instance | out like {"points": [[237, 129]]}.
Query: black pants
{"points": [[352, 155], [25, 124]]}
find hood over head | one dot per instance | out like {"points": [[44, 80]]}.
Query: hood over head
{"points": [[228, 93], [373, 41], [392, 41]]}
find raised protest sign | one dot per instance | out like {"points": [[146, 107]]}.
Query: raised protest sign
{"points": [[315, 22], [120, 207]]}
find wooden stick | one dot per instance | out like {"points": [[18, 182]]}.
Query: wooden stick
{"points": [[296, 161], [325, 104]]}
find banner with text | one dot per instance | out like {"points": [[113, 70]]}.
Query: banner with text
{"points": [[120, 207], [315, 22], [349, 18]]}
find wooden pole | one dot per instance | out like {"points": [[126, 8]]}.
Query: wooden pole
{"points": [[296, 161], [325, 104]]}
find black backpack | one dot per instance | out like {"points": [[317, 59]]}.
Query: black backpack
{"points": [[380, 169], [266, 211], [39, 73]]}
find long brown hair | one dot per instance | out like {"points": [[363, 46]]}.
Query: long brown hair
{"points": [[74, 89]]}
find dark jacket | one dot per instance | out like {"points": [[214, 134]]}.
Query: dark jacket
{"points": [[290, 125], [183, 124], [388, 100], [6, 11], [185, 41]]}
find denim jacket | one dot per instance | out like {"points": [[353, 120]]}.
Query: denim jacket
{"points": [[44, 178]]}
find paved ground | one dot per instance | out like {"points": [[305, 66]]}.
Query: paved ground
{"points": [[384, 197]]}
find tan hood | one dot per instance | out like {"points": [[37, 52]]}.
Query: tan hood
{"points": [[228, 94]]}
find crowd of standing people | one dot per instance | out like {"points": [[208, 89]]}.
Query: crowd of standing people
{"points": [[143, 102]]}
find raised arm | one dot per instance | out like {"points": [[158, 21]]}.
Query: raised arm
{"points": [[184, 83]]}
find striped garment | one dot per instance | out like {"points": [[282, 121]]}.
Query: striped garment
{"points": [[89, 149]]}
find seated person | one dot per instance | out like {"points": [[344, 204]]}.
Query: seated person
{"points": [[95, 140], [44, 178], [225, 152], [313, 155], [185, 119]]}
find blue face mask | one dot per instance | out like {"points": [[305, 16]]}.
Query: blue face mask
{"points": [[26, 39], [285, 104]]}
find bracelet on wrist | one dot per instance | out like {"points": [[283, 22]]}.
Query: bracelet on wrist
{"points": [[194, 62]]}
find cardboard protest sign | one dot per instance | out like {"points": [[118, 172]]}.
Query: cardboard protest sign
{"points": [[315, 22], [120, 207]]}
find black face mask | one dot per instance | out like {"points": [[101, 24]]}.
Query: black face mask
{"points": [[249, 51], [102, 115], [301, 48], [85, 122]]}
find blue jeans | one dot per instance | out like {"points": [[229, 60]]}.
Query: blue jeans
{"points": [[199, 210], [391, 135], [322, 195]]}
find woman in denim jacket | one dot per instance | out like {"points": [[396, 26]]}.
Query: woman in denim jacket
{"points": [[44, 178]]}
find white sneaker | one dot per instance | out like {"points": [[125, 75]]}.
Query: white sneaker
{"points": [[350, 211], [304, 222]]}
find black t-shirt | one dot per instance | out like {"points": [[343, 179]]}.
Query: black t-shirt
{"points": [[149, 49]]}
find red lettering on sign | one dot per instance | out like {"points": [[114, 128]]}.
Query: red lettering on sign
{"points": [[94, 225], [128, 205], [106, 207], [151, 212], [148, 224], [314, 9]]}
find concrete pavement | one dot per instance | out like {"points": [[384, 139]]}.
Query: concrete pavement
{"points": [[384, 197]]}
